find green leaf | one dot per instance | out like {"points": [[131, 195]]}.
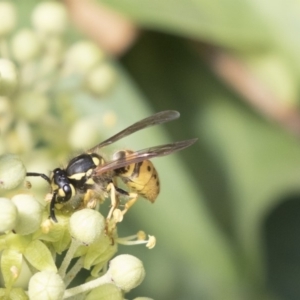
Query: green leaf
{"points": [[102, 250], [17, 242], [11, 262], [18, 294], [234, 24], [261, 164], [105, 292], [229, 22], [63, 243], [58, 233], [39, 256]]}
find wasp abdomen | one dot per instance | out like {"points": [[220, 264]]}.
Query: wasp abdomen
{"points": [[140, 177]]}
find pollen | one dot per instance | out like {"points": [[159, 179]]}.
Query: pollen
{"points": [[141, 235], [46, 226], [151, 242], [14, 272]]}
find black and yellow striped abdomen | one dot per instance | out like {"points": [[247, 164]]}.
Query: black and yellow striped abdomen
{"points": [[141, 177]]}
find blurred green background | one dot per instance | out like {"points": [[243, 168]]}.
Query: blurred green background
{"points": [[227, 219]]}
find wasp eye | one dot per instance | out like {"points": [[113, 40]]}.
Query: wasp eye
{"points": [[67, 189], [65, 193]]}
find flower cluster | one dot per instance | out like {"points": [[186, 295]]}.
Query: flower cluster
{"points": [[40, 76], [30, 244]]}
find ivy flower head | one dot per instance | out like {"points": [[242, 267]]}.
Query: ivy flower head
{"points": [[41, 76]]}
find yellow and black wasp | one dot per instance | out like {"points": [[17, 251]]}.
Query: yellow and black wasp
{"points": [[89, 177]]}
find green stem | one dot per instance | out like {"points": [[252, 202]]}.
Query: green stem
{"points": [[67, 259], [74, 271], [87, 286]]}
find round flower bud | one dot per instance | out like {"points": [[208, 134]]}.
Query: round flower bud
{"points": [[50, 17], [6, 114], [27, 100], [25, 45], [56, 47], [101, 79], [46, 285], [12, 171], [105, 292], [8, 77], [8, 17], [83, 134], [8, 215], [126, 271], [83, 56], [86, 225], [20, 138], [29, 214]]}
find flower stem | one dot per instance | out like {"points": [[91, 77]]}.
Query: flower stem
{"points": [[67, 259], [87, 286], [73, 272]]}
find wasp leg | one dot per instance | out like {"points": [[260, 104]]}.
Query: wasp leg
{"points": [[114, 191], [129, 203], [89, 199], [113, 198], [52, 208], [122, 192]]}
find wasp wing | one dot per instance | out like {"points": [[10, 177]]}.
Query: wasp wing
{"points": [[142, 155], [156, 119]]}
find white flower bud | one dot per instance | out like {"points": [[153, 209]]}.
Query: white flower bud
{"points": [[8, 17], [126, 271], [105, 292], [27, 100], [83, 134], [20, 138], [30, 214], [6, 114], [83, 56], [101, 79], [8, 215], [46, 285], [25, 45], [55, 47], [50, 17], [86, 225], [53, 55], [8, 77], [12, 171]]}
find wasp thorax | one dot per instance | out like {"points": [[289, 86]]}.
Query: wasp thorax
{"points": [[119, 155], [80, 165]]}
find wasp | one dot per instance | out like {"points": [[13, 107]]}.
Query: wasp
{"points": [[89, 177]]}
